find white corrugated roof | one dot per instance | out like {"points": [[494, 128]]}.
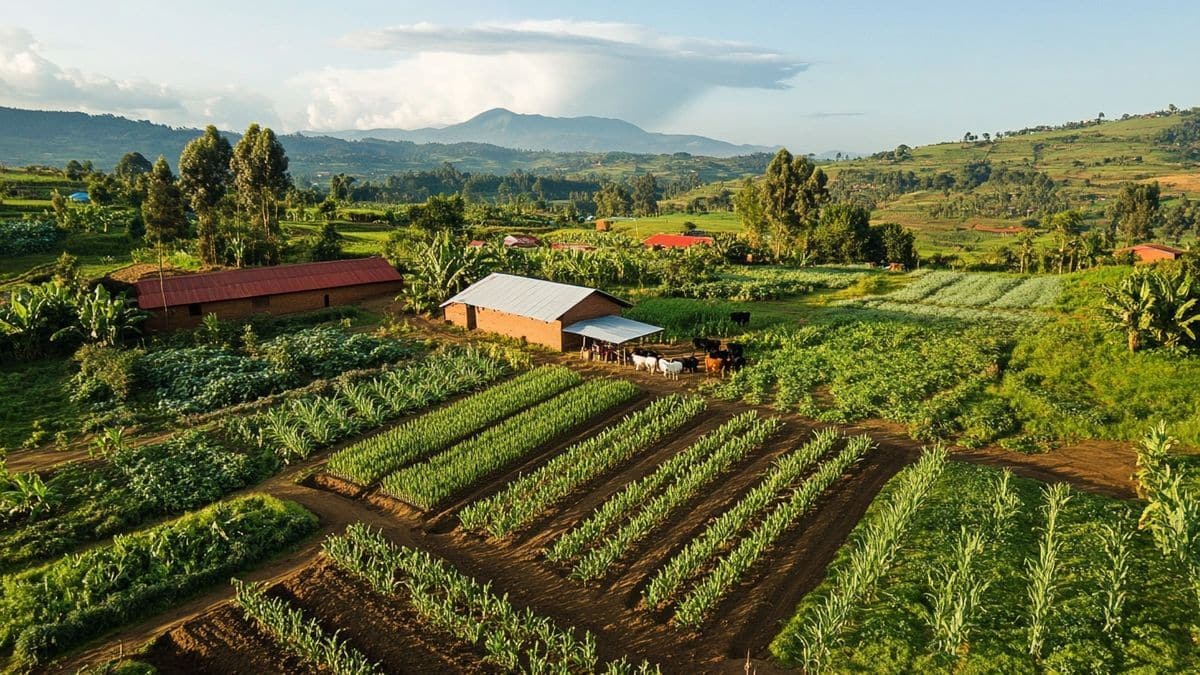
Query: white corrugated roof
{"points": [[523, 296], [612, 328]]}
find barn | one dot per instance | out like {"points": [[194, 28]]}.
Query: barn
{"points": [[675, 241], [183, 301], [1149, 253], [558, 316]]}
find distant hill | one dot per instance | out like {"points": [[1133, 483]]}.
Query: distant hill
{"points": [[54, 138], [557, 134]]}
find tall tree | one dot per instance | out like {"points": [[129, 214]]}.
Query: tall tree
{"points": [[1136, 212], [645, 195], [130, 173], [204, 177], [1066, 225], [843, 234], [612, 200], [163, 215], [793, 191], [260, 171], [747, 203]]}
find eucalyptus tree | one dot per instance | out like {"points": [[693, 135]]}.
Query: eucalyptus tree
{"points": [[204, 177]]}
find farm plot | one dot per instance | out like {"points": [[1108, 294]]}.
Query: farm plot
{"points": [[978, 289], [432, 481], [990, 572]]}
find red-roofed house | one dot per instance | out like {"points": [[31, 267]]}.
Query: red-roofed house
{"points": [[676, 241], [283, 289], [1148, 253], [521, 241]]}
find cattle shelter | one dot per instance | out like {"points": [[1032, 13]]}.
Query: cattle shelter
{"points": [[533, 310], [183, 301]]}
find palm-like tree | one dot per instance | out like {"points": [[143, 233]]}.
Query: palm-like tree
{"points": [[1175, 309], [1131, 307]]}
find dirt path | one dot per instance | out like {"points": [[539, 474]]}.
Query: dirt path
{"points": [[744, 623]]}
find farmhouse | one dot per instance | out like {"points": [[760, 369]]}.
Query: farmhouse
{"points": [[675, 241], [547, 313], [1148, 253], [283, 289], [521, 241]]}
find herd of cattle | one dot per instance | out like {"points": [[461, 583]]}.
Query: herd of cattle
{"points": [[717, 361]]}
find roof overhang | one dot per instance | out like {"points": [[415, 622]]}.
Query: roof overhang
{"points": [[612, 328]]}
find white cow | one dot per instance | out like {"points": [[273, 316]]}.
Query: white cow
{"points": [[670, 369]]}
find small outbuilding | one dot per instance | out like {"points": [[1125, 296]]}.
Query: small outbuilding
{"points": [[675, 241], [521, 241], [542, 312], [183, 301], [1149, 253]]}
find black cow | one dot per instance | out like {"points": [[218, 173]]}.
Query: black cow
{"points": [[690, 364], [740, 318], [705, 345]]}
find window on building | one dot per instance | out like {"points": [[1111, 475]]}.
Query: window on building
{"points": [[261, 302], [326, 299], [194, 309]]}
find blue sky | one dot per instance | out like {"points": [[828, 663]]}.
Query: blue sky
{"points": [[814, 76]]}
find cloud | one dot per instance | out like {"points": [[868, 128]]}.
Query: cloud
{"points": [[29, 79], [441, 74]]}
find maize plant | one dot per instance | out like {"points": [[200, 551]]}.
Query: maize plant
{"points": [[1043, 570], [524, 499], [514, 640], [430, 482], [725, 528], [734, 565], [1004, 504], [618, 508], [874, 548], [647, 516], [369, 460], [298, 634], [1115, 577], [955, 590]]}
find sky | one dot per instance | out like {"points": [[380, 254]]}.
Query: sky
{"points": [[813, 76]]}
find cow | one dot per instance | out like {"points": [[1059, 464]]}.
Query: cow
{"points": [[740, 318], [649, 361], [736, 348], [690, 364], [715, 362], [670, 369], [705, 345]]}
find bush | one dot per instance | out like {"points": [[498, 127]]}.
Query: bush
{"points": [[23, 237], [183, 473], [105, 373]]}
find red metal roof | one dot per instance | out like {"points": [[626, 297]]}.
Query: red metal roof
{"points": [[259, 281], [676, 240]]}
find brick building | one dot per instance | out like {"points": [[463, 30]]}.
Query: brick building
{"points": [[283, 289], [1149, 253], [675, 241], [529, 309]]}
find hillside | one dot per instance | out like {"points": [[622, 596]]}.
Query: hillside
{"points": [[557, 134], [54, 138]]}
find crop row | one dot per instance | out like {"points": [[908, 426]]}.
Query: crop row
{"points": [[525, 498], [925, 286], [296, 429], [688, 562], [55, 607], [514, 640], [370, 459], [426, 484], [651, 509], [618, 507], [299, 634], [873, 553], [729, 569]]}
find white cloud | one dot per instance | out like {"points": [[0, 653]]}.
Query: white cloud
{"points": [[444, 74], [29, 79]]}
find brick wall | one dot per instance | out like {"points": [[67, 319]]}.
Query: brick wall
{"points": [[285, 303], [545, 333]]}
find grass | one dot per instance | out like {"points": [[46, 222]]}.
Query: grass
{"points": [[889, 633], [360, 239], [98, 254], [35, 393]]}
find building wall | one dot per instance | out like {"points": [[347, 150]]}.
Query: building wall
{"points": [[284, 303], [1148, 255], [545, 333]]}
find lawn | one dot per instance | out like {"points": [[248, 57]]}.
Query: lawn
{"points": [[33, 394]]}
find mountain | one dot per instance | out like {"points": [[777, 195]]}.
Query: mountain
{"points": [[54, 138], [557, 134]]}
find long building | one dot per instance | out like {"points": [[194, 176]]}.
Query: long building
{"points": [[183, 301]]}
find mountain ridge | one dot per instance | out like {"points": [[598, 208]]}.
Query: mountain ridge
{"points": [[589, 133]]}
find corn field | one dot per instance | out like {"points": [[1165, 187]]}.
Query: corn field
{"points": [[524, 499], [297, 428], [514, 640], [298, 634], [1115, 577], [430, 482], [1043, 570], [874, 550], [369, 460], [954, 596], [644, 505], [729, 569]]}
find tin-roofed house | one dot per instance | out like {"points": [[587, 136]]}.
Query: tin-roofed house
{"points": [[183, 301], [538, 311]]}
